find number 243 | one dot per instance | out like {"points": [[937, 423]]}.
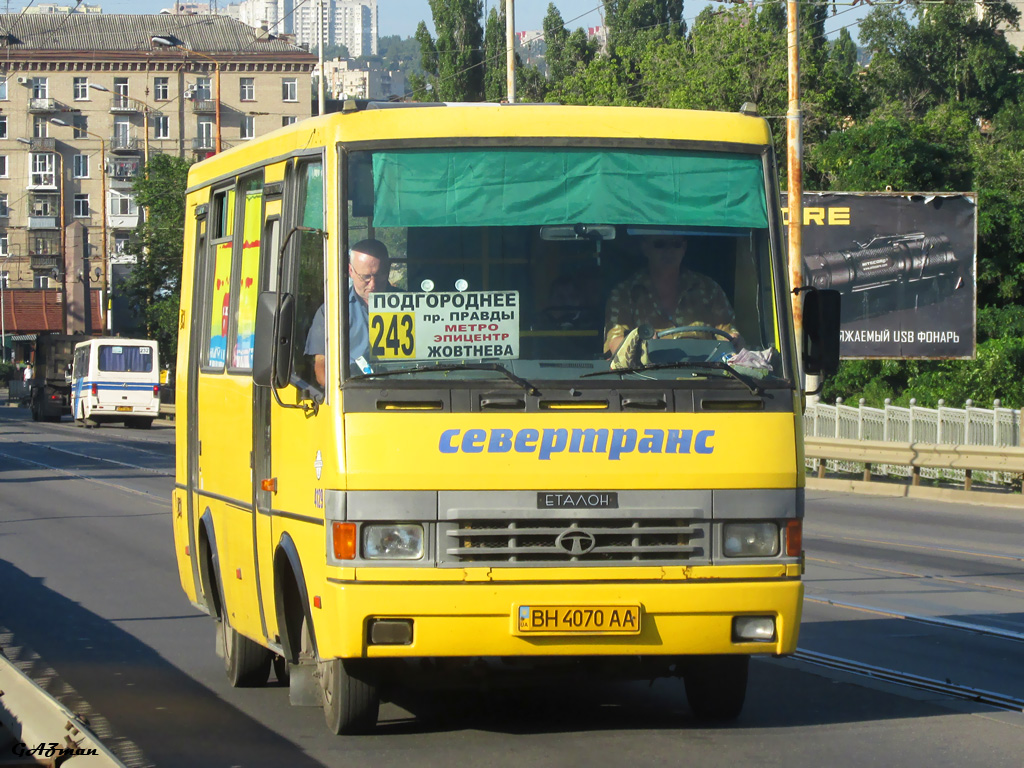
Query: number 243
{"points": [[392, 335]]}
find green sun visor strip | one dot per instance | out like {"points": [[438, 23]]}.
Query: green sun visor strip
{"points": [[532, 187]]}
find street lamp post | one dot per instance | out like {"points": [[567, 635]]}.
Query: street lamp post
{"points": [[103, 214], [172, 43]]}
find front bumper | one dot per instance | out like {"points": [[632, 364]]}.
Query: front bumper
{"points": [[476, 618]]}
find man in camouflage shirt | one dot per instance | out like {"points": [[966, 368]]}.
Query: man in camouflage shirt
{"points": [[665, 295]]}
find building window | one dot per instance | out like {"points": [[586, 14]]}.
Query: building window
{"points": [[42, 169], [40, 127], [5, 278], [81, 207], [122, 204], [3, 88], [161, 88], [248, 127], [42, 281], [290, 89], [3, 166], [81, 86], [4, 210], [121, 244], [4, 250], [121, 99], [3, 126], [40, 88], [204, 134], [81, 166], [203, 89], [161, 127], [288, 120], [80, 124], [248, 89]]}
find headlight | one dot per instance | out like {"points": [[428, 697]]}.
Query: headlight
{"points": [[750, 539], [393, 542]]}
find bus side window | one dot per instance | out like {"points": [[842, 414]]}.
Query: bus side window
{"points": [[217, 279], [247, 284], [307, 273]]}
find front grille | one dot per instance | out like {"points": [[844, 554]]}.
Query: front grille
{"points": [[536, 541]]}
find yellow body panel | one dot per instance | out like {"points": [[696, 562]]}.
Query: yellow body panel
{"points": [[403, 451]]}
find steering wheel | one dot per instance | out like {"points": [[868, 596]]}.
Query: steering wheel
{"points": [[699, 329], [715, 355]]}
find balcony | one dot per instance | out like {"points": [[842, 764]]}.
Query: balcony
{"points": [[121, 143], [43, 145], [42, 181], [123, 105], [42, 222], [204, 106], [36, 105], [124, 169], [44, 262], [203, 143], [123, 220]]}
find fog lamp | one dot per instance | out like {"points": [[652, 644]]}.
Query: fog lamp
{"points": [[393, 542], [750, 539], [391, 632], [753, 629]]}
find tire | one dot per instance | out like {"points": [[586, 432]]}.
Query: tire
{"points": [[246, 663], [281, 670], [716, 686], [351, 702]]}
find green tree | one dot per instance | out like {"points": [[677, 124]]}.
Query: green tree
{"points": [[154, 285], [454, 62], [495, 60]]}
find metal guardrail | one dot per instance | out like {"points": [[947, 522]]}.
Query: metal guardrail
{"points": [[46, 732], [965, 427], [916, 456]]}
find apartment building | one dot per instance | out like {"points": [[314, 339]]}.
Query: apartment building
{"points": [[85, 99], [345, 80], [352, 23]]}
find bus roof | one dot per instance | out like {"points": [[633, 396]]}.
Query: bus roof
{"points": [[530, 121]]}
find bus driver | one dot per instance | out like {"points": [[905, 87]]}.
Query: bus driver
{"points": [[665, 295], [368, 268]]}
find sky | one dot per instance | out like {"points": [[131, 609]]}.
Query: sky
{"points": [[400, 17]]}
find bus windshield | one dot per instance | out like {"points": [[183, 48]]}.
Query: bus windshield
{"points": [[559, 263]]}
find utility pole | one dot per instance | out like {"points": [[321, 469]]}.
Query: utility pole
{"points": [[321, 89], [794, 157], [510, 49]]}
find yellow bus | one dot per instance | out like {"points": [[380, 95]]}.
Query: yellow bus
{"points": [[449, 399]]}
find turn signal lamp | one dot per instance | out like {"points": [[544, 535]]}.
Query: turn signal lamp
{"points": [[794, 538], [343, 536]]}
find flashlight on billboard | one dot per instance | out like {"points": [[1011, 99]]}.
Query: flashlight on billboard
{"points": [[884, 260]]}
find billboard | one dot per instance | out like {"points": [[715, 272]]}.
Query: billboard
{"points": [[905, 265]]}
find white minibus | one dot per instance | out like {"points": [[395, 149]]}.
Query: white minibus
{"points": [[116, 380]]}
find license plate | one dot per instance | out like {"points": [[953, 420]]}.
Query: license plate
{"points": [[123, 408], [584, 619]]}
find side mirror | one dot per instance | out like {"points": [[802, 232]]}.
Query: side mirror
{"points": [[821, 332], [272, 355]]}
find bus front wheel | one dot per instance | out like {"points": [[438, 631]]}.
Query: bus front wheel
{"points": [[350, 699], [716, 686]]}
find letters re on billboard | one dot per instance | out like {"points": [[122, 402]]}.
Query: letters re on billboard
{"points": [[905, 264]]}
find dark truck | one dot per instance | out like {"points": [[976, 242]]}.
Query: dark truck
{"points": [[50, 386]]}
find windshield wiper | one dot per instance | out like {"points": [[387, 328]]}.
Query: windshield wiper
{"points": [[709, 365], [530, 388]]}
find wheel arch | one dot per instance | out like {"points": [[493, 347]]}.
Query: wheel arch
{"points": [[209, 565], [291, 599]]}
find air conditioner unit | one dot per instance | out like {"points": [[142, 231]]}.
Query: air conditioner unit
{"points": [[22, 79]]}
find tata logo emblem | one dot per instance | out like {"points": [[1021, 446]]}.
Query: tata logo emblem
{"points": [[576, 541], [318, 464]]}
